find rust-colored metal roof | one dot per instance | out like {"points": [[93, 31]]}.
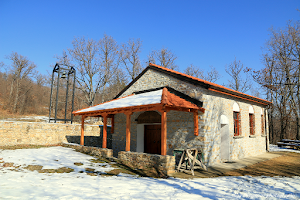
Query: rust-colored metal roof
{"points": [[206, 84], [155, 100]]}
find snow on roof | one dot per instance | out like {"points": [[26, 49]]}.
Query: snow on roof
{"points": [[133, 100]]}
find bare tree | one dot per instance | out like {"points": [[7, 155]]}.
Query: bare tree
{"points": [[195, 71], [280, 78], [1, 65], [163, 57], [21, 69], [94, 62], [129, 56], [239, 81], [84, 57], [108, 57], [117, 83], [211, 76]]}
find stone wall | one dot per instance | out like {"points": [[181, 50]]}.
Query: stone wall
{"points": [[162, 166], [93, 151], [180, 124], [36, 133]]}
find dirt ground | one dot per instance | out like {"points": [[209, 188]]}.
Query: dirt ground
{"points": [[287, 164]]}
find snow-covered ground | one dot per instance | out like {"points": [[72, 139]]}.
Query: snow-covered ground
{"points": [[30, 118], [24, 184]]}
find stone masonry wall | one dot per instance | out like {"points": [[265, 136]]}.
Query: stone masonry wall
{"points": [[162, 166], [94, 151], [180, 124], [180, 132], [119, 135], [15, 133]]}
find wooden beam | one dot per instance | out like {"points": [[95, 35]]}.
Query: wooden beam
{"points": [[104, 140], [163, 132], [128, 123], [112, 124], [196, 124], [82, 130]]}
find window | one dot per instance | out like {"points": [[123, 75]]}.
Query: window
{"points": [[262, 123], [236, 120], [251, 121]]}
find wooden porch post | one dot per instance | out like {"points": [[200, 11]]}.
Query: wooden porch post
{"points": [[82, 130], [104, 140], [196, 124], [163, 132], [128, 123]]}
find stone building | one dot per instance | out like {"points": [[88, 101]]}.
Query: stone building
{"points": [[162, 110]]}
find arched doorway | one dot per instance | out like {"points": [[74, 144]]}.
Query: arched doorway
{"points": [[149, 132], [224, 148]]}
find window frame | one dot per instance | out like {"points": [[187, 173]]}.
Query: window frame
{"points": [[263, 124], [236, 123], [251, 124]]}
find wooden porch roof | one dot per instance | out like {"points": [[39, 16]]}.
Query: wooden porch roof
{"points": [[160, 99]]}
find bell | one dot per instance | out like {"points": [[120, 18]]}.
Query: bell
{"points": [[64, 75]]}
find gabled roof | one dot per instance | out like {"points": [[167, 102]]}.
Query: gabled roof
{"points": [[153, 100], [198, 82]]}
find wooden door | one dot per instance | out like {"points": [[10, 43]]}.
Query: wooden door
{"points": [[152, 139]]}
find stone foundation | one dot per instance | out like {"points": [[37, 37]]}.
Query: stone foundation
{"points": [[162, 165], [93, 151]]}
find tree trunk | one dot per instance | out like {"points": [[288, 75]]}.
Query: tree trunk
{"points": [[16, 98]]}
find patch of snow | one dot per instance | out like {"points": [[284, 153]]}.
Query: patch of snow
{"points": [[34, 185], [274, 147], [127, 175], [134, 100], [52, 158], [30, 118]]}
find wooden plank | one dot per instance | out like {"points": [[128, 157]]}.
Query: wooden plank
{"points": [[181, 160], [195, 157], [104, 139], [82, 130], [196, 124], [128, 123], [287, 144], [288, 140], [199, 162]]}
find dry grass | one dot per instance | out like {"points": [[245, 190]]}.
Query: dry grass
{"points": [[286, 165], [27, 146], [40, 170], [5, 115]]}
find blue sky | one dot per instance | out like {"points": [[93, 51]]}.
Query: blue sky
{"points": [[202, 33]]}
